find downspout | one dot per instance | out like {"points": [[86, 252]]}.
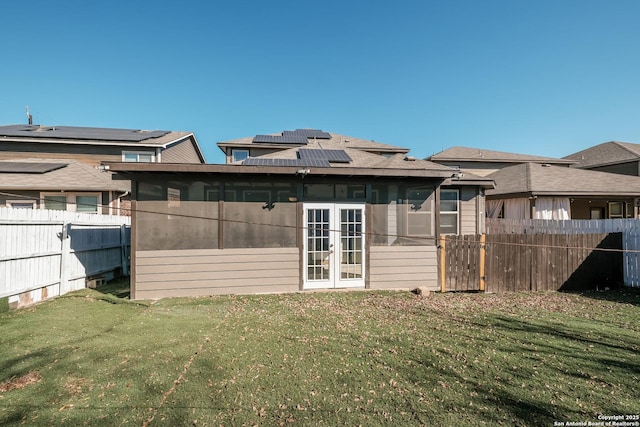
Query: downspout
{"points": [[124, 194]]}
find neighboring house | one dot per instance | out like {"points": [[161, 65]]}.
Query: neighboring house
{"points": [[89, 146], [317, 215], [60, 184], [615, 157], [544, 191], [256, 146], [485, 162]]}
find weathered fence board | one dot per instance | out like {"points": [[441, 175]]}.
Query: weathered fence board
{"points": [[629, 227], [532, 262], [461, 263], [47, 253]]}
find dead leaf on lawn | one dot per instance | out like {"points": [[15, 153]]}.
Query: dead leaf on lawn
{"points": [[20, 382]]}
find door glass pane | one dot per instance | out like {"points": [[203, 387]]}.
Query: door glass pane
{"points": [[318, 244], [351, 244]]}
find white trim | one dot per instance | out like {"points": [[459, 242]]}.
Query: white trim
{"points": [[335, 247], [137, 153], [233, 150], [456, 212]]}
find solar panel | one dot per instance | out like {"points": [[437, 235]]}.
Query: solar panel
{"points": [[333, 156], [29, 167], [280, 139], [308, 133], [71, 132], [257, 161]]}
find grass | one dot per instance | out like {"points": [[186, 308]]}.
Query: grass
{"points": [[360, 358]]}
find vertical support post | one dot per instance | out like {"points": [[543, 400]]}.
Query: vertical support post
{"points": [[123, 250], [65, 248], [483, 239], [443, 276]]}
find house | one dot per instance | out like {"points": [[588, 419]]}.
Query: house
{"points": [[544, 191], [613, 156], [61, 184], [485, 162], [73, 147], [316, 215], [259, 145]]}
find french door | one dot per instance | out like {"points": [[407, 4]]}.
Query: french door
{"points": [[334, 245]]}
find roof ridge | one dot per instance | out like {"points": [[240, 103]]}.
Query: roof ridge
{"points": [[624, 146]]}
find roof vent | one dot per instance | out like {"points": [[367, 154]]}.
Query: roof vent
{"points": [[545, 165], [410, 159]]}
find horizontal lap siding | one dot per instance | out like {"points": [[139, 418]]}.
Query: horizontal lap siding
{"points": [[393, 267], [201, 272], [468, 211], [182, 152]]}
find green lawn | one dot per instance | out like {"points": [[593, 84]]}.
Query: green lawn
{"points": [[344, 358]]}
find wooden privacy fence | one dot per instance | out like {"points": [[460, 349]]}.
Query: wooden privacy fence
{"points": [[629, 227], [530, 262], [47, 253]]}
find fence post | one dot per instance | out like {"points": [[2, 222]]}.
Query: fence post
{"points": [[65, 249], [123, 250], [443, 287], [483, 238]]}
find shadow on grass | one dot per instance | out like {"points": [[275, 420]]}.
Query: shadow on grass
{"points": [[118, 288], [622, 294]]}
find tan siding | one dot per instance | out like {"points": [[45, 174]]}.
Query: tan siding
{"points": [[468, 211], [89, 154], [214, 271], [406, 267], [181, 152]]}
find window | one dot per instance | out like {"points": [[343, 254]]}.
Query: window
{"points": [[21, 204], [449, 211], [616, 210], [239, 155], [87, 203], [138, 156], [57, 203]]}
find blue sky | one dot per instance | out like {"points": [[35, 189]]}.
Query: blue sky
{"points": [[543, 77]]}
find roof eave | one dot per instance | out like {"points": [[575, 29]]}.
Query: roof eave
{"points": [[91, 141], [273, 170]]}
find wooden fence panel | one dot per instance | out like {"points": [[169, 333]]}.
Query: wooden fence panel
{"points": [[461, 257], [543, 262], [47, 253], [629, 227]]}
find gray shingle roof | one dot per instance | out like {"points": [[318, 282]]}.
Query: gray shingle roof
{"points": [[607, 153], [468, 154], [540, 179], [360, 158], [75, 176], [345, 141], [90, 135]]}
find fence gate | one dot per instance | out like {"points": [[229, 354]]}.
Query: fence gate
{"points": [[459, 263]]}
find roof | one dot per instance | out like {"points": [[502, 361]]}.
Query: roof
{"points": [[543, 179], [309, 134], [361, 163], [94, 136], [467, 154], [67, 175], [607, 153]]}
